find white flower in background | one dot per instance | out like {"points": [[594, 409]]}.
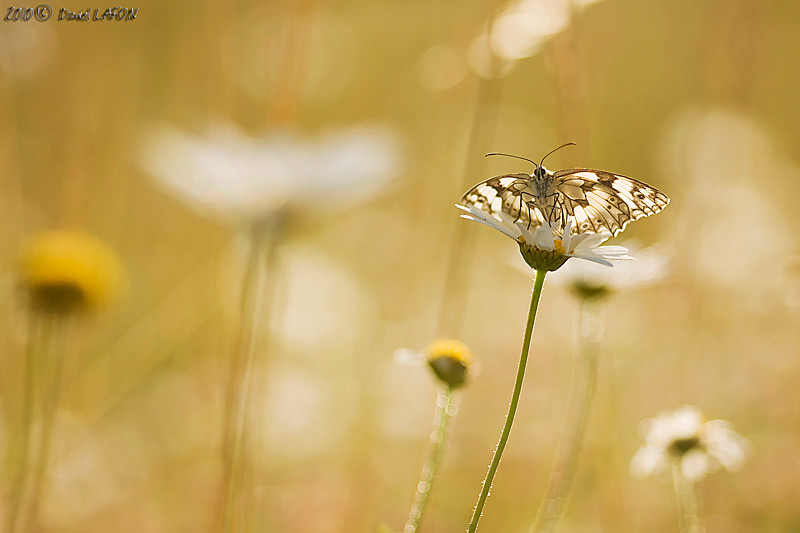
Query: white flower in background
{"points": [[520, 31], [592, 281], [240, 178], [684, 439], [549, 247]]}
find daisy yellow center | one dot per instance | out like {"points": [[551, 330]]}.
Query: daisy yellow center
{"points": [[65, 271], [680, 447], [450, 348], [450, 361]]}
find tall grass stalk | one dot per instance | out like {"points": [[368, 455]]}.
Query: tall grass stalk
{"points": [[459, 260]]}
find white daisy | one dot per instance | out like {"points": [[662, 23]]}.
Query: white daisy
{"points": [[520, 30], [589, 280], [684, 439], [240, 178], [549, 247]]}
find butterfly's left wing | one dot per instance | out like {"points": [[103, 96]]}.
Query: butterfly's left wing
{"points": [[604, 201], [512, 194]]}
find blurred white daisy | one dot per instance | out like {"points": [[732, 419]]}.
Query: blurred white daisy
{"points": [[520, 31], [591, 281], [239, 178], [684, 440], [549, 247]]}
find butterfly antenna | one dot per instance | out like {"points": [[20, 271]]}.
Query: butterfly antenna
{"points": [[557, 149], [509, 155]]}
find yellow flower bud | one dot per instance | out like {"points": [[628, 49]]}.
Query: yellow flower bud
{"points": [[450, 360], [64, 271]]}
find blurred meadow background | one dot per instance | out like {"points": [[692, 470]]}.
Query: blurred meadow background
{"points": [[699, 99]]}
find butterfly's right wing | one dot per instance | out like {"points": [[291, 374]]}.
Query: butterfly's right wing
{"points": [[603, 201], [512, 194]]}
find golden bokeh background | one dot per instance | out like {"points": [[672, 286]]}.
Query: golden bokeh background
{"points": [[699, 99]]}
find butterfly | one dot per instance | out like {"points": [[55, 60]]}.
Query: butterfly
{"points": [[600, 201]]}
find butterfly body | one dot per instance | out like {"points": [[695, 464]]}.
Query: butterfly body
{"points": [[600, 201]]}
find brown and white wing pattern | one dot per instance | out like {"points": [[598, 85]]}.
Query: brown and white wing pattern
{"points": [[603, 201], [513, 194]]}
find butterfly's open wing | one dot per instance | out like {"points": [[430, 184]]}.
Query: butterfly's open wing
{"points": [[604, 201], [510, 193]]}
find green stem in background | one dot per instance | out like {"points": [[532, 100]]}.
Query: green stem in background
{"points": [[20, 457], [688, 501], [52, 393], [446, 408], [42, 389], [242, 381], [512, 408], [584, 380]]}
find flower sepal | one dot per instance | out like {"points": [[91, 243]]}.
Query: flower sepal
{"points": [[539, 259]]}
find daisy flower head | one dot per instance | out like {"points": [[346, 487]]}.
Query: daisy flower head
{"points": [[242, 178], [68, 271], [590, 281], [684, 440], [548, 247], [450, 361]]}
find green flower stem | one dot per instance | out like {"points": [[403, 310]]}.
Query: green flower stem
{"points": [[584, 379], [235, 493], [512, 408], [20, 477], [446, 408], [688, 501], [42, 388]]}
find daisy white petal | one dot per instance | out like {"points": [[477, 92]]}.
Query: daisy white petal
{"points": [[471, 210], [576, 240], [525, 233], [592, 257], [543, 238], [726, 445], [695, 464], [620, 251], [407, 356], [476, 215], [591, 240], [648, 461], [492, 224]]}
